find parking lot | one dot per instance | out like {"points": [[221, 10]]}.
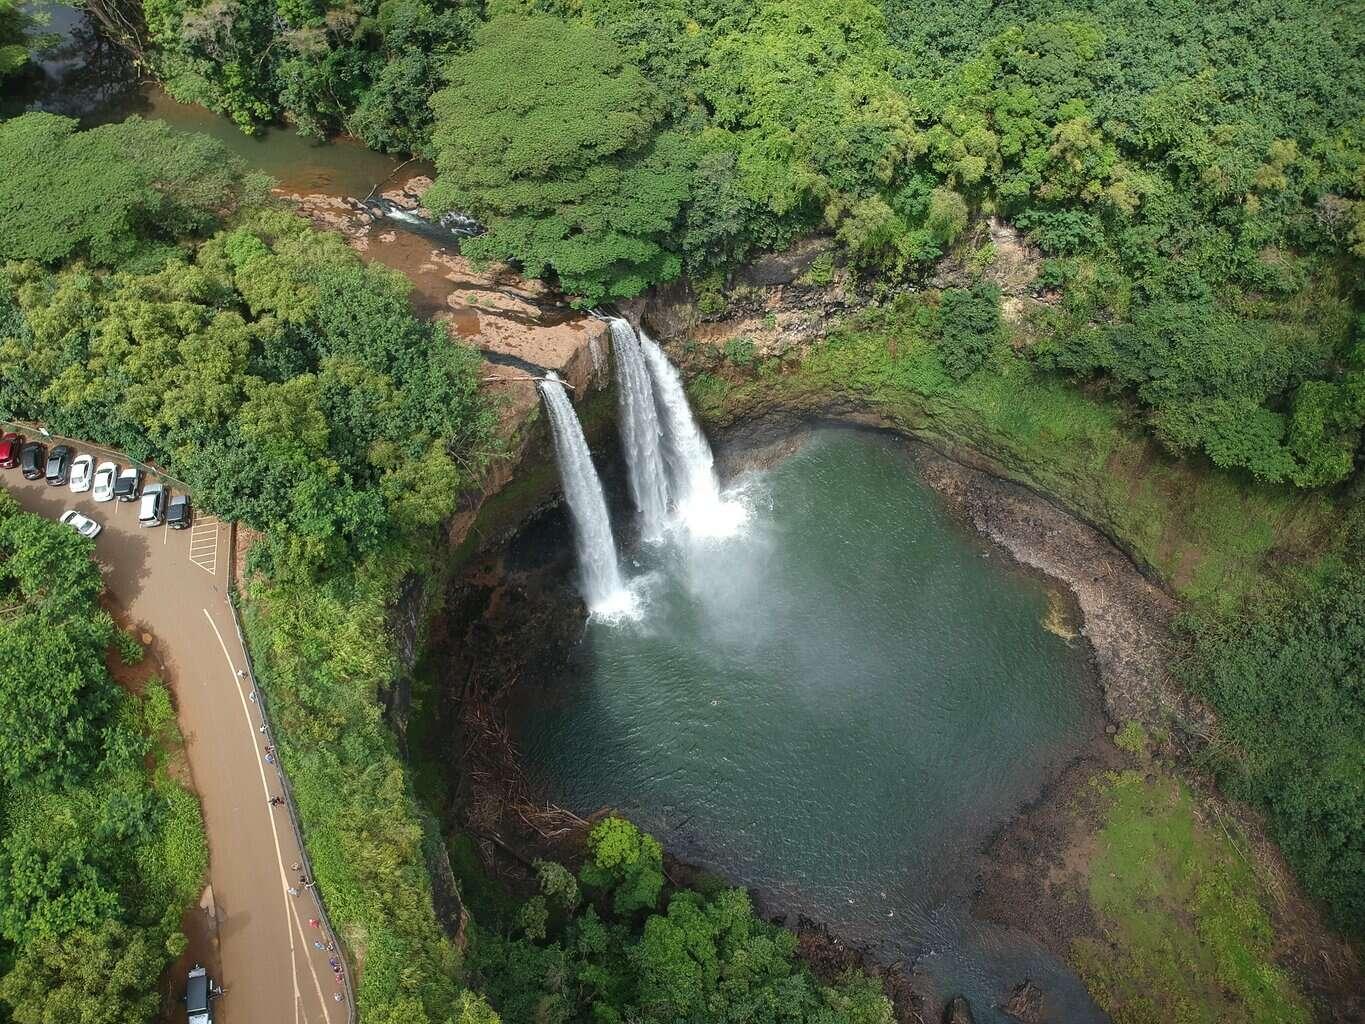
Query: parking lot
{"points": [[173, 585]]}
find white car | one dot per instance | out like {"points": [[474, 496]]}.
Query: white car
{"points": [[81, 471], [83, 525], [104, 481]]}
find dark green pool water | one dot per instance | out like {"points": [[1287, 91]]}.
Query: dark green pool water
{"points": [[836, 708]]}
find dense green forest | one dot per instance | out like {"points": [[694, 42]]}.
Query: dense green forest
{"points": [[101, 847], [1193, 175], [1192, 172]]}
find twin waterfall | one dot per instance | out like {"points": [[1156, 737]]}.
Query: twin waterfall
{"points": [[592, 527], [668, 460], [641, 435]]}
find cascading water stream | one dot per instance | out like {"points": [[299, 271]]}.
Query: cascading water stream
{"points": [[641, 435], [603, 588], [699, 502]]}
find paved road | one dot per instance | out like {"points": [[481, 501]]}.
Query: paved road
{"points": [[173, 584]]}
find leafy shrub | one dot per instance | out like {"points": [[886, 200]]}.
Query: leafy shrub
{"points": [[740, 351], [1132, 738], [968, 328], [626, 862]]}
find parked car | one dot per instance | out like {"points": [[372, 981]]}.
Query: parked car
{"points": [[152, 511], [59, 464], [104, 481], [129, 484], [83, 525], [82, 470], [32, 459], [178, 513], [9, 450], [200, 991]]}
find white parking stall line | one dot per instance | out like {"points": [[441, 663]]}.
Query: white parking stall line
{"points": [[204, 545]]}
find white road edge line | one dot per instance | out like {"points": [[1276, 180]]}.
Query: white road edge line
{"points": [[289, 915]]}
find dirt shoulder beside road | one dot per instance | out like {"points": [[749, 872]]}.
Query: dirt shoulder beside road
{"points": [[173, 585]]}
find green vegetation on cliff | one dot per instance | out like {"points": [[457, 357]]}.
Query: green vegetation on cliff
{"points": [[101, 849], [616, 957]]}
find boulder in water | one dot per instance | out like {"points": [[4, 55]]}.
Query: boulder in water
{"points": [[1025, 1003], [958, 1011]]}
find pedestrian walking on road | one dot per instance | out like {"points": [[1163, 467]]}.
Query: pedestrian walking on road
{"points": [[336, 997], [292, 891], [319, 946], [334, 963], [241, 673], [275, 801], [251, 696], [294, 866], [313, 920], [269, 758]]}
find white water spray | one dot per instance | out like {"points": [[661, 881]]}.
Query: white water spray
{"points": [[603, 588], [701, 507], [641, 435]]}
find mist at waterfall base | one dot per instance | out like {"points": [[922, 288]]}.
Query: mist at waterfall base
{"points": [[836, 707]]}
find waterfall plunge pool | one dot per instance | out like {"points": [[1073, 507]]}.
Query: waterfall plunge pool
{"points": [[836, 708]]}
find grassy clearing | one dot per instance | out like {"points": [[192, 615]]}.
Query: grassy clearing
{"points": [[1186, 937]]}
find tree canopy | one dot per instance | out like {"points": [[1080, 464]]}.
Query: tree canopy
{"points": [[702, 957], [289, 384], [549, 137], [116, 194]]}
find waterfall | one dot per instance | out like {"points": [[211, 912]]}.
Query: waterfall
{"points": [[700, 504], [603, 588], [640, 431]]}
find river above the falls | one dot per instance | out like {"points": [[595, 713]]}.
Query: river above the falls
{"points": [[85, 76], [836, 708]]}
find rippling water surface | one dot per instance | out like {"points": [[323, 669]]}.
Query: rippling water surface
{"points": [[836, 708]]}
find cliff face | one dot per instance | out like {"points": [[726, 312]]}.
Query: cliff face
{"points": [[523, 330], [519, 325]]}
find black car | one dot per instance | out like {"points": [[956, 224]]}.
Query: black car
{"points": [[59, 464], [128, 484], [32, 459], [200, 991], [178, 514]]}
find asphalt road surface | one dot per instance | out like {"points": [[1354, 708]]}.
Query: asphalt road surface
{"points": [[173, 584]]}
